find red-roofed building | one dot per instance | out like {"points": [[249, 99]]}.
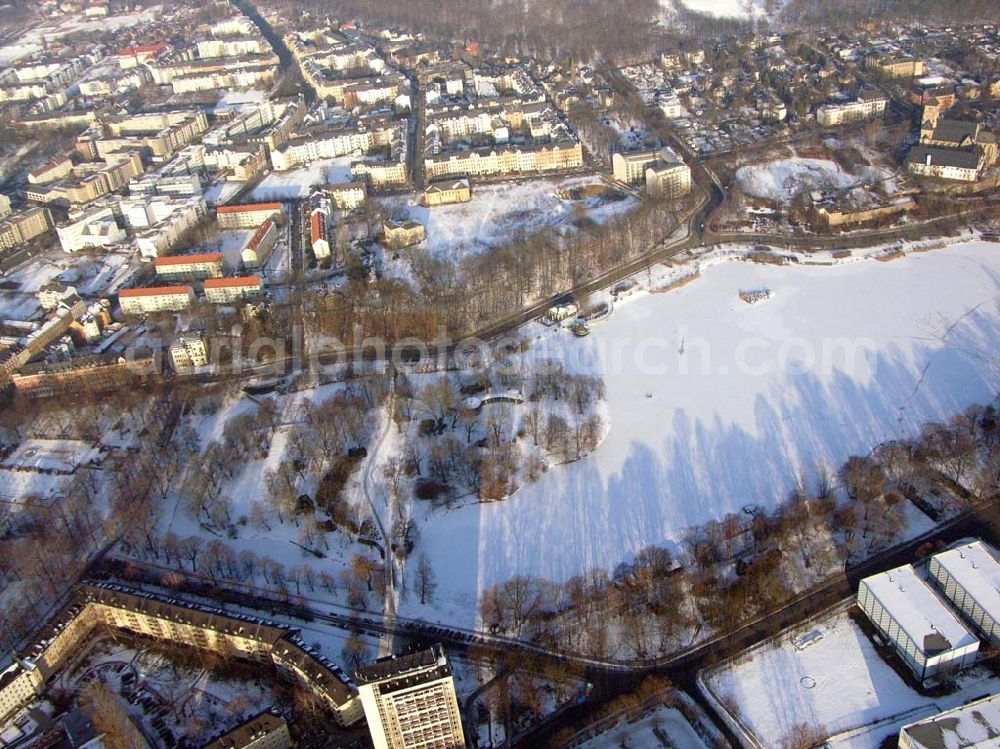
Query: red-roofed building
{"points": [[246, 216], [320, 240], [260, 246], [207, 265], [229, 290], [155, 299], [131, 57]]}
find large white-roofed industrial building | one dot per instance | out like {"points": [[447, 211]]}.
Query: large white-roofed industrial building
{"points": [[920, 626], [969, 577]]}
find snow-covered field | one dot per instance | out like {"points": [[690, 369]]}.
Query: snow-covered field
{"points": [[782, 180], [716, 404], [497, 211], [729, 8], [839, 685]]}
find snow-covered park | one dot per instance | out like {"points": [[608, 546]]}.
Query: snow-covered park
{"points": [[715, 404], [496, 212], [830, 677]]}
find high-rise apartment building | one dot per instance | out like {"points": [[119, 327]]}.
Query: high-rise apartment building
{"points": [[410, 702]]}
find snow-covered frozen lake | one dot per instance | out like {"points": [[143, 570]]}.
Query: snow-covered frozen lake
{"points": [[716, 404]]}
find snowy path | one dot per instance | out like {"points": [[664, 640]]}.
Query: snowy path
{"points": [[372, 464]]}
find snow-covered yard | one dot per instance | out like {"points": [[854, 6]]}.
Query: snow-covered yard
{"points": [[715, 404], [498, 211], [781, 181], [830, 677]]}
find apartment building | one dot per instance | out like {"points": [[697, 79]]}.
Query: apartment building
{"points": [[248, 216], [671, 107], [380, 173], [52, 294], [162, 134], [922, 629], [264, 731], [19, 685], [464, 124], [409, 702], [51, 171], [324, 680], [448, 192], [330, 142], [167, 223], [895, 67], [668, 179], [155, 299], [20, 228], [399, 234], [206, 629], [27, 348], [166, 185], [5, 209], [260, 246], [229, 290], [90, 181], [80, 375], [187, 352], [248, 76], [868, 108], [630, 168], [189, 267], [347, 196], [505, 160], [232, 47]]}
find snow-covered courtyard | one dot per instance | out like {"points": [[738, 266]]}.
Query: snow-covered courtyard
{"points": [[298, 183], [828, 676], [716, 404]]}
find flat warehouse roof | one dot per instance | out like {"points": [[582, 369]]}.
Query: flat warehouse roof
{"points": [[916, 607], [976, 569], [972, 726]]}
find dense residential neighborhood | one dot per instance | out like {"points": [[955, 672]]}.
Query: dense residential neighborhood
{"points": [[592, 375]]}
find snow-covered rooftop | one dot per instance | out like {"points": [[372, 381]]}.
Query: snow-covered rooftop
{"points": [[916, 607], [976, 569], [972, 726]]}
